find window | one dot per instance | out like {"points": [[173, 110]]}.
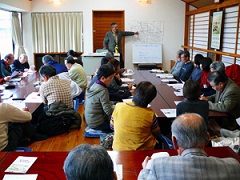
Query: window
{"points": [[6, 45], [198, 33]]}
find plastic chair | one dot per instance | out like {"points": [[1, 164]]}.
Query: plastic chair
{"points": [[101, 51]]}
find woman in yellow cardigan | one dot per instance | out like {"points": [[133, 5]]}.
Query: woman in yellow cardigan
{"points": [[135, 126]]}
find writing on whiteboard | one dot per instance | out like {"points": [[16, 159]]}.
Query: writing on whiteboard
{"points": [[147, 53]]}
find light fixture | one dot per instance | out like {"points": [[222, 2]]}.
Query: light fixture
{"points": [[144, 1], [56, 1]]}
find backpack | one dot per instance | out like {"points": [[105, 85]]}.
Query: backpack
{"points": [[55, 125]]}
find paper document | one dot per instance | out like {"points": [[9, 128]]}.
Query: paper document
{"points": [[15, 79], [127, 80], [176, 86], [21, 164], [156, 71], [164, 76], [34, 97], [20, 176], [176, 102], [116, 167], [178, 93], [169, 113], [154, 156], [169, 80]]}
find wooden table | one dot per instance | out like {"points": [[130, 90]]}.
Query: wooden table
{"points": [[49, 165], [24, 88], [165, 97]]}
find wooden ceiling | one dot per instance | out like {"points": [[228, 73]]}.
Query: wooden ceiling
{"points": [[199, 3]]}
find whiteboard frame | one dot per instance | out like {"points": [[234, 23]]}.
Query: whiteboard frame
{"points": [[151, 51]]}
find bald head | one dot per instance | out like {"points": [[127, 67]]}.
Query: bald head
{"points": [[9, 58], [190, 131], [23, 58]]}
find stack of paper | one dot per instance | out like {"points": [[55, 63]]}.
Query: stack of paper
{"points": [[169, 113], [164, 76], [169, 80], [116, 167], [178, 93], [126, 80], [176, 86], [34, 97], [156, 71]]}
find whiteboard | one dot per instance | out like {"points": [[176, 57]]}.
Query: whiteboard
{"points": [[147, 53]]}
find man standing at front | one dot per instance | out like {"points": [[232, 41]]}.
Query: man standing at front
{"points": [[189, 136], [112, 40]]}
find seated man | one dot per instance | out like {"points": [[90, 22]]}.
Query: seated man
{"points": [[54, 89], [187, 67], [175, 71], [217, 66], [227, 97], [189, 136], [20, 64], [56, 94], [89, 162], [12, 122], [5, 65], [98, 108], [48, 60], [2, 78]]}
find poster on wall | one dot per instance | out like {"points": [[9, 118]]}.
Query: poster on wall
{"points": [[216, 29]]}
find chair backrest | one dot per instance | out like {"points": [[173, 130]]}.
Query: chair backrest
{"points": [[233, 72], [101, 51]]}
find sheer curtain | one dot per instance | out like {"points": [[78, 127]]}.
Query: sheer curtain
{"points": [[17, 36], [57, 32]]}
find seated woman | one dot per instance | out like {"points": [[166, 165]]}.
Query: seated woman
{"points": [[196, 73], [98, 108], [206, 88], [116, 92], [192, 104], [74, 55], [135, 126]]}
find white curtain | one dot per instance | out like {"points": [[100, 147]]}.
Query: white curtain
{"points": [[57, 32], [17, 36]]}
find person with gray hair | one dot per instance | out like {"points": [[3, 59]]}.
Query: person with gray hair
{"points": [[189, 136], [175, 71], [20, 64], [89, 162], [48, 60], [217, 66]]}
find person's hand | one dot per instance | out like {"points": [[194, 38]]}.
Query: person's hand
{"points": [[144, 163], [117, 75], [137, 33], [25, 109], [132, 91], [7, 78], [20, 74], [129, 86], [203, 98], [26, 70]]}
